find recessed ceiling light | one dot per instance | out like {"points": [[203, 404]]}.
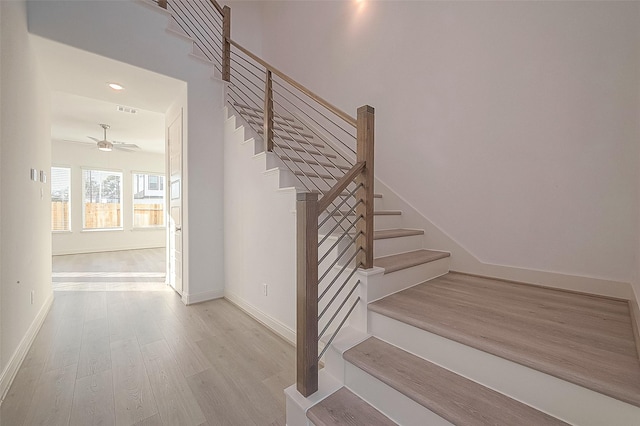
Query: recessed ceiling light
{"points": [[116, 86]]}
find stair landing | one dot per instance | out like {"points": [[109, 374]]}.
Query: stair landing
{"points": [[583, 339]]}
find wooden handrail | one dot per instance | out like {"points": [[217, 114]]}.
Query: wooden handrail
{"points": [[340, 186], [218, 7], [337, 111]]}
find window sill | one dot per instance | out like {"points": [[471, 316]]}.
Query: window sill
{"points": [[67, 231], [149, 228], [103, 230]]}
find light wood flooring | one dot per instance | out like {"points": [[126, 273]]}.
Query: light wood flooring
{"points": [[121, 348], [587, 340]]}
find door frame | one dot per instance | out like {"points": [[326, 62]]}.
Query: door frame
{"points": [[179, 115]]}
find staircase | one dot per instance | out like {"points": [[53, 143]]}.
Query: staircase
{"points": [[419, 344], [442, 347]]}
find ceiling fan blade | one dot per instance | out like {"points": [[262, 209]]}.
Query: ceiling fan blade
{"points": [[83, 143], [126, 145], [93, 139], [122, 148]]}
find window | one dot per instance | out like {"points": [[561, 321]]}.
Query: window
{"points": [[148, 200], [60, 199], [102, 198]]}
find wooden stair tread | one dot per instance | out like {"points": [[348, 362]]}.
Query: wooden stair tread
{"points": [[383, 234], [452, 397], [583, 339], [400, 261], [343, 407]]}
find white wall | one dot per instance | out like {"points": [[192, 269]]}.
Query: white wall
{"points": [[246, 24], [509, 125], [24, 218], [260, 235], [135, 33], [78, 156]]}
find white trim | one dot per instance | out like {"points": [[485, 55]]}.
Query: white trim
{"points": [[268, 321], [190, 299], [9, 373]]}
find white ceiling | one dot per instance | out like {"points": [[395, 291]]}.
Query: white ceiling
{"points": [[81, 98]]}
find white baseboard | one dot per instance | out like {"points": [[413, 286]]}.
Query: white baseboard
{"points": [[190, 299], [268, 321], [10, 371]]}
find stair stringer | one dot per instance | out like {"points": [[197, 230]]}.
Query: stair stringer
{"points": [[260, 226]]}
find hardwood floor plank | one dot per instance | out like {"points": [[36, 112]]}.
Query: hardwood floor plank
{"points": [[188, 355], [220, 399], [120, 323], [176, 402], [147, 329], [53, 397], [134, 400], [150, 421], [16, 403], [243, 377], [95, 356], [93, 402], [96, 306], [66, 345], [97, 329]]}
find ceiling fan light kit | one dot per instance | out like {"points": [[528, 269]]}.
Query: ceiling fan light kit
{"points": [[105, 146]]}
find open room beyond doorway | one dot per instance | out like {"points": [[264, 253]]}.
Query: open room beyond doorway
{"points": [[129, 270], [109, 182]]}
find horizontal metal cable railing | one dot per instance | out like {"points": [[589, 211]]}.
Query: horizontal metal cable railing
{"points": [[330, 153]]}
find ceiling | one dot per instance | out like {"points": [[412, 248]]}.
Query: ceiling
{"points": [[81, 98]]}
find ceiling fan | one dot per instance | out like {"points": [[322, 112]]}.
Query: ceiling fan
{"points": [[105, 145]]}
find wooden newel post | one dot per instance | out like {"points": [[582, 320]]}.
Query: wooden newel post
{"points": [[226, 45], [162, 3], [365, 131], [307, 293], [268, 113]]}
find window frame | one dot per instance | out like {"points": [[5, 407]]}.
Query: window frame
{"points": [[69, 203], [120, 227], [163, 201]]}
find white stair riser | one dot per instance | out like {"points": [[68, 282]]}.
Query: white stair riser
{"points": [[387, 221], [389, 246], [388, 401], [382, 285], [566, 401]]}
